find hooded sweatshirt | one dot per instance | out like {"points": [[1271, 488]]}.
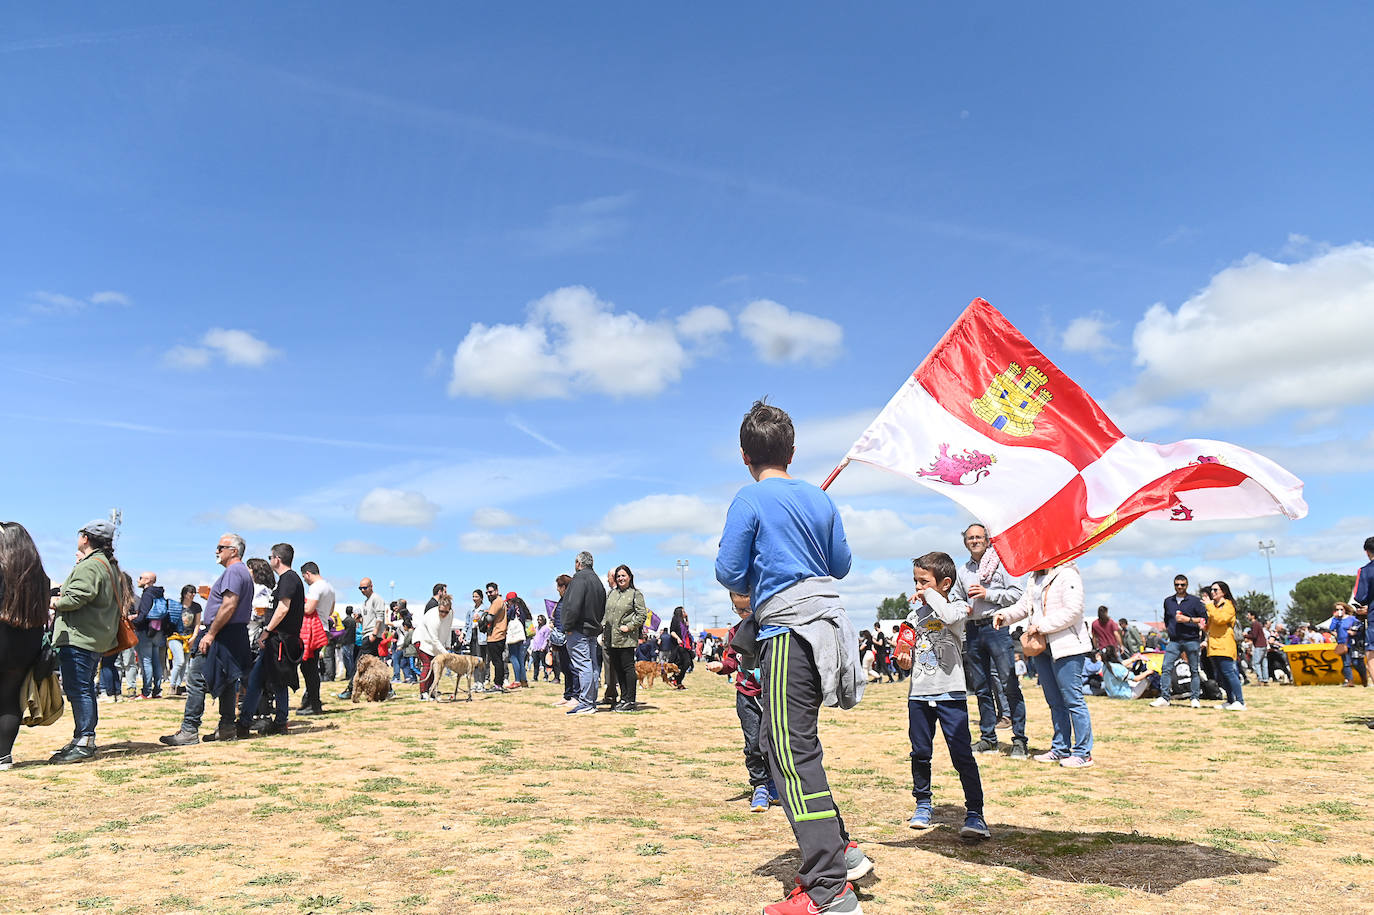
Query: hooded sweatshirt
{"points": [[812, 610]]}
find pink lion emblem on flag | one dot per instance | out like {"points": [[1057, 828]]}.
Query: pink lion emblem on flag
{"points": [[952, 468]]}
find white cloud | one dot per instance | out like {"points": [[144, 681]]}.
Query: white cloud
{"points": [[186, 357], [1265, 337], [531, 544], [496, 518], [689, 545], [405, 508], [591, 541], [55, 303], [360, 548], [703, 323], [672, 513], [881, 533], [781, 335], [234, 347], [424, 547], [364, 548], [572, 342], [252, 518], [239, 347], [580, 227], [1088, 334]]}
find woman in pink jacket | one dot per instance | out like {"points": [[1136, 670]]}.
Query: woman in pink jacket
{"points": [[1053, 606]]}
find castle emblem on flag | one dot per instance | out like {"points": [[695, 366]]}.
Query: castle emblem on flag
{"points": [[1012, 403], [952, 468]]}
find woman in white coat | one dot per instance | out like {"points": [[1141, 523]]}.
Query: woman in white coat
{"points": [[1053, 607]]}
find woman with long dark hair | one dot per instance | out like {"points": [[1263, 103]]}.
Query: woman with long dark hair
{"points": [[680, 634], [624, 620], [559, 640], [23, 617], [1221, 643], [517, 646], [87, 626]]}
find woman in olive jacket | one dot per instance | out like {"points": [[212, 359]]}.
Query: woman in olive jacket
{"points": [[86, 627], [624, 620]]}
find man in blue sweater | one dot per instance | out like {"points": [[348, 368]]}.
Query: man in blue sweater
{"points": [[784, 546], [1184, 617]]}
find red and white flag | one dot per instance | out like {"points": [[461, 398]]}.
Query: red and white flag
{"points": [[987, 420]]}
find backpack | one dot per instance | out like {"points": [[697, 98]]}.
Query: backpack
{"points": [[485, 621], [175, 615], [159, 609]]}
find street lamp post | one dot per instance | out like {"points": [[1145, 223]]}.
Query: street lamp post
{"points": [[393, 592], [682, 569], [1268, 550]]}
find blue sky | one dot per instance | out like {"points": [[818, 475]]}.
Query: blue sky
{"points": [[442, 294]]}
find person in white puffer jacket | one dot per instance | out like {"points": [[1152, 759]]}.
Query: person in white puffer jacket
{"points": [[1053, 607]]}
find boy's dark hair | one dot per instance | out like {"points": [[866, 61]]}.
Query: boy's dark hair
{"points": [[311, 568], [766, 436], [1369, 544], [937, 564]]}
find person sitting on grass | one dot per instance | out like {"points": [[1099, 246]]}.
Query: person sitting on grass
{"points": [[938, 691], [749, 711]]}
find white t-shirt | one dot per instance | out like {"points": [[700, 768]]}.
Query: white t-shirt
{"points": [[322, 592]]}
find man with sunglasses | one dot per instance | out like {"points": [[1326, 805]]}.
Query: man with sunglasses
{"points": [[223, 629], [1184, 617], [372, 619]]}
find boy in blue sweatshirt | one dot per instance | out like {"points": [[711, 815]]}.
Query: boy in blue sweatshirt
{"points": [[784, 546], [938, 691]]}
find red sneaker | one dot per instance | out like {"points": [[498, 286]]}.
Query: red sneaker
{"points": [[799, 903]]}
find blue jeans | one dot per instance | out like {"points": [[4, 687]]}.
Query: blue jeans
{"points": [[584, 664], [350, 659], [152, 659], [395, 665], [516, 651], [109, 676], [195, 696], [1062, 681], [951, 715], [990, 655], [1229, 677], [78, 668], [1259, 660], [253, 694], [1171, 653]]}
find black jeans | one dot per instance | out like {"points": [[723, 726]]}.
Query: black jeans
{"points": [[18, 649], [496, 654], [310, 673], [623, 672]]}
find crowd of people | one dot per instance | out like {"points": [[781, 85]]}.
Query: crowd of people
{"points": [[266, 630]]}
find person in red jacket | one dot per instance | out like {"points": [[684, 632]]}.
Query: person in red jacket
{"points": [[750, 712]]}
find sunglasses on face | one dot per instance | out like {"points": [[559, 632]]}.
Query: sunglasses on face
{"points": [[221, 548]]}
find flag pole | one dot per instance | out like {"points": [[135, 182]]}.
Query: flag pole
{"points": [[834, 473]]}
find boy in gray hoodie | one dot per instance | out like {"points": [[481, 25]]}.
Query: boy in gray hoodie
{"points": [[938, 692]]}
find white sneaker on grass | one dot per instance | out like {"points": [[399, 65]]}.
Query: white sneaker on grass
{"points": [[1195, 704], [1161, 702]]}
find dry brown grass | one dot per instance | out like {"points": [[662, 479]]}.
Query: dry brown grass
{"points": [[508, 805]]}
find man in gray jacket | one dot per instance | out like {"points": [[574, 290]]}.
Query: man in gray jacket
{"points": [[583, 608], [986, 587]]}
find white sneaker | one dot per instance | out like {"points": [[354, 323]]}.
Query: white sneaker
{"points": [[1195, 704], [1236, 706], [1161, 702]]}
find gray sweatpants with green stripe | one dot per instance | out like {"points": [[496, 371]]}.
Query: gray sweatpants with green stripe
{"points": [[791, 709]]}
